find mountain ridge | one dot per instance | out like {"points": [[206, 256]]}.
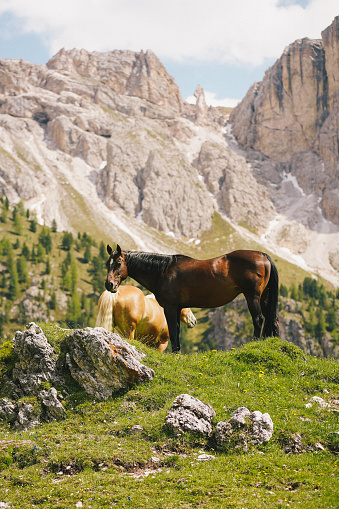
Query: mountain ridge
{"points": [[104, 142]]}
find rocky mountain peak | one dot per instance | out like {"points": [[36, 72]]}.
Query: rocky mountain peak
{"points": [[292, 117], [125, 72]]}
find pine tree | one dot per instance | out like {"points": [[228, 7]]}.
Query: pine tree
{"points": [[33, 255], [54, 226], [13, 285], [40, 253], [4, 214], [18, 228], [67, 241], [53, 301], [25, 251], [73, 316], [322, 296], [16, 244], [48, 267], [283, 290], [321, 324], [102, 251], [332, 319], [22, 269], [294, 293], [33, 225], [21, 208], [74, 274], [67, 282], [45, 239], [87, 254], [98, 274], [310, 324]]}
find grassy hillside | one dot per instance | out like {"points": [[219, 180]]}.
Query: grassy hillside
{"points": [[93, 459]]}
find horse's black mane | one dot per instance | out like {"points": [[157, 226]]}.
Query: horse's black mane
{"points": [[150, 261]]}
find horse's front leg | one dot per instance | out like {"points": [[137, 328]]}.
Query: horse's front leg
{"points": [[172, 315]]}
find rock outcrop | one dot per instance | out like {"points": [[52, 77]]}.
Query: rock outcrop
{"points": [[103, 363], [293, 114], [243, 428], [36, 360], [228, 178], [99, 361]]}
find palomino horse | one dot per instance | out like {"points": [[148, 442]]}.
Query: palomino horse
{"points": [[137, 316], [178, 281]]}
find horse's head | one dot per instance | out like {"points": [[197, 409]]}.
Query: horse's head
{"points": [[116, 269], [188, 317]]}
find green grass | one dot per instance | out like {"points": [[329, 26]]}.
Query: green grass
{"points": [[94, 457]]}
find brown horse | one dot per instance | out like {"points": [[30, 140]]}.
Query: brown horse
{"points": [[137, 316], [178, 281]]}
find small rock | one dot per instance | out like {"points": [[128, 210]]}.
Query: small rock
{"points": [[27, 417], [51, 407], [319, 446], [136, 428], [295, 444], [238, 417], [190, 414], [205, 457], [262, 427], [320, 402], [223, 432], [8, 410]]}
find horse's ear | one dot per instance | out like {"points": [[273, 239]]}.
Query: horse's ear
{"points": [[109, 249], [118, 250]]}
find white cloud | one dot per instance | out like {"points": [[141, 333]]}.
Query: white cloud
{"points": [[211, 100], [225, 31]]}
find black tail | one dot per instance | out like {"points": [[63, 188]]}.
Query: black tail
{"points": [[271, 326]]}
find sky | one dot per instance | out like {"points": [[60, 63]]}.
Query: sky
{"points": [[223, 45]]}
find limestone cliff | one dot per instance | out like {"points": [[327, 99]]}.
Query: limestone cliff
{"points": [[110, 132], [292, 117]]}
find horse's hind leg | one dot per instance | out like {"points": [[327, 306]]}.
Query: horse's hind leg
{"points": [[172, 315], [256, 314], [264, 309]]}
